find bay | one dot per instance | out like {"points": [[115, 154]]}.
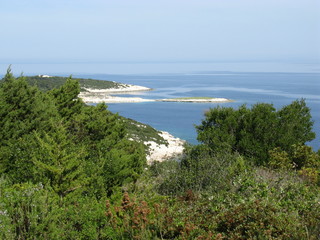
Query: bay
{"points": [[243, 87]]}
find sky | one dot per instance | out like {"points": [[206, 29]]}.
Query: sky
{"points": [[149, 31]]}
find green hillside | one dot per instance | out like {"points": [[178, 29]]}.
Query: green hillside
{"points": [[48, 83]]}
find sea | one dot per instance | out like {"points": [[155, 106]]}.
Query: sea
{"points": [[244, 83], [180, 119]]}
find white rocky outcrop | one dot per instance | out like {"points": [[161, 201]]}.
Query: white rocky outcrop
{"points": [[122, 88], [92, 95], [89, 98], [194, 100], [161, 152]]}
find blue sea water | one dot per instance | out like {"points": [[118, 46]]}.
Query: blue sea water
{"points": [[243, 87]]}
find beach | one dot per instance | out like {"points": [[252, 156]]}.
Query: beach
{"points": [[90, 95], [122, 88]]}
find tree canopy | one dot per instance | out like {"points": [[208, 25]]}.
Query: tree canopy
{"points": [[253, 132], [55, 138]]}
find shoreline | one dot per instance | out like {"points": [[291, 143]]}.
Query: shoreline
{"points": [[123, 88], [162, 152], [91, 95], [174, 149], [197, 100], [112, 99]]}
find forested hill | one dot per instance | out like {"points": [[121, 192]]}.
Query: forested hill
{"points": [[45, 82], [135, 130]]}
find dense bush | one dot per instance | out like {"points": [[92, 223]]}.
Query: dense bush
{"points": [[254, 132], [298, 157], [198, 171]]}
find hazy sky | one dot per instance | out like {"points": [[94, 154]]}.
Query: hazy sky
{"points": [[57, 31]]}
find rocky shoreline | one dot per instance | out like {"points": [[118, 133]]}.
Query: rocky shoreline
{"points": [[157, 152], [105, 95], [197, 100], [90, 95], [161, 152]]}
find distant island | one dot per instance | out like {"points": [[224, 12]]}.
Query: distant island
{"points": [[46, 82], [98, 91], [197, 99], [105, 95]]}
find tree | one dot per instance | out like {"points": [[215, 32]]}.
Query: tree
{"points": [[55, 139], [23, 109], [295, 126], [66, 98], [59, 161], [254, 132]]}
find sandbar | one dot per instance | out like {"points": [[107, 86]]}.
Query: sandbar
{"points": [[196, 100], [90, 95]]}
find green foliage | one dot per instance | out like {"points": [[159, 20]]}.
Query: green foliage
{"points": [[83, 218], [254, 132], [68, 171], [198, 171], [280, 159], [295, 125], [263, 205], [298, 157], [95, 123], [139, 219], [27, 211], [142, 132], [30, 211], [111, 159], [49, 83], [66, 98], [59, 162], [258, 220], [22, 108], [55, 139]]}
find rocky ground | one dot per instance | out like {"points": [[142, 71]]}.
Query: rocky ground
{"points": [[161, 152]]}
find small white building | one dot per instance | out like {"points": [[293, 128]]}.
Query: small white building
{"points": [[44, 76]]}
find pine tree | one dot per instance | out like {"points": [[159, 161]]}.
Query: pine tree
{"points": [[59, 161], [23, 109], [66, 98]]}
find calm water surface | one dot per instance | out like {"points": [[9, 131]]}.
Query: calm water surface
{"points": [[245, 88]]}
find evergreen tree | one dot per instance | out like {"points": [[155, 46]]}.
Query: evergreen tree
{"points": [[295, 125], [59, 161], [254, 132], [66, 98], [23, 109]]}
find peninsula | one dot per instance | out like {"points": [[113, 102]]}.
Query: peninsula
{"points": [[196, 99], [92, 95], [98, 91]]}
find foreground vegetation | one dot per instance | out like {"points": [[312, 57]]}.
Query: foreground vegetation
{"points": [[69, 171]]}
